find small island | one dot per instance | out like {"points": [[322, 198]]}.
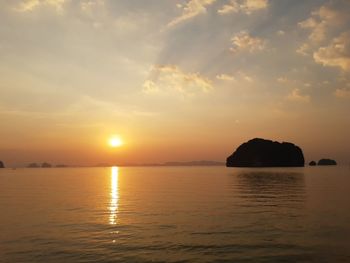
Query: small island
{"points": [[312, 163], [266, 153], [327, 162], [2, 164]]}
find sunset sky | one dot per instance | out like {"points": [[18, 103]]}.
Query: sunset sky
{"points": [[175, 80]]}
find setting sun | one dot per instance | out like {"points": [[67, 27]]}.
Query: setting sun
{"points": [[115, 142]]}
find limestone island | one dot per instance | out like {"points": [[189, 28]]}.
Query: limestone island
{"points": [[326, 162], [266, 153]]}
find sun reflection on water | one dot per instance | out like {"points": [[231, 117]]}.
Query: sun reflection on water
{"points": [[113, 207]]}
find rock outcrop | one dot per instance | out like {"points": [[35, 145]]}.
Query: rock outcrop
{"points": [[266, 153], [326, 162], [2, 164], [312, 163]]}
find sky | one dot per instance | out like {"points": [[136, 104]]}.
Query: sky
{"points": [[176, 80]]}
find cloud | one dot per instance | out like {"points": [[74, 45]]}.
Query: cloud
{"points": [[26, 6], [304, 49], [342, 93], [246, 6], [297, 96], [320, 21], [239, 76], [336, 54], [191, 9], [30, 5], [232, 7], [225, 77], [171, 78], [150, 87], [326, 44], [89, 6], [244, 76], [252, 5], [244, 42]]}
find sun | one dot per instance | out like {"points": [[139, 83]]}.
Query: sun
{"points": [[115, 142]]}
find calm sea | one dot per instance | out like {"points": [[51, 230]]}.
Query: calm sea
{"points": [[175, 214]]}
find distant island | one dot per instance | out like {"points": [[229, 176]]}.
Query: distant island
{"points": [[170, 163], [45, 165], [266, 153], [2, 165]]}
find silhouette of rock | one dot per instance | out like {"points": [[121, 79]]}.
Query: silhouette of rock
{"points": [[266, 153], [312, 163], [33, 165], [326, 162], [2, 164], [46, 165]]}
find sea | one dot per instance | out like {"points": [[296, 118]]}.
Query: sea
{"points": [[175, 214]]}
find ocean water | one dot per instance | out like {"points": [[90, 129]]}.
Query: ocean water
{"points": [[175, 214]]}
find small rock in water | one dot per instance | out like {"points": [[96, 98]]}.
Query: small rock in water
{"points": [[327, 162]]}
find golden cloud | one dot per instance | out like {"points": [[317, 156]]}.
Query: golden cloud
{"points": [[244, 42], [336, 54], [30, 5], [225, 77], [246, 6], [320, 21], [297, 96], [172, 78], [191, 9], [232, 7]]}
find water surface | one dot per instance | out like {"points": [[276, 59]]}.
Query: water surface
{"points": [[175, 214]]}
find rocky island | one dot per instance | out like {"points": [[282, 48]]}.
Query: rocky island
{"points": [[326, 162], [2, 164], [266, 153], [312, 163]]}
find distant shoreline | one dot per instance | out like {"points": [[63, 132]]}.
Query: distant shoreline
{"points": [[165, 164]]}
